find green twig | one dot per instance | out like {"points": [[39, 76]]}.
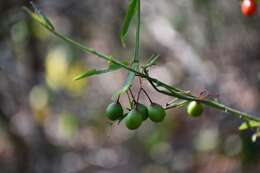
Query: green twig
{"points": [[137, 37], [174, 90], [168, 90]]}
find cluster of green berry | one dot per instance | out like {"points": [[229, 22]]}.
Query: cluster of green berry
{"points": [[139, 113]]}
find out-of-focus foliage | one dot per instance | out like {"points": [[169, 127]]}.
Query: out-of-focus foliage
{"points": [[51, 123], [59, 71]]}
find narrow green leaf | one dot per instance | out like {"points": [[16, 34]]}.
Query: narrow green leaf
{"points": [[127, 20], [86, 74], [128, 82], [40, 17], [45, 19], [113, 66], [92, 72], [248, 125], [32, 14], [151, 61]]}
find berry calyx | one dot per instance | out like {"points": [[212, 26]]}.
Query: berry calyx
{"points": [[114, 111], [133, 120], [156, 112], [143, 110], [195, 109], [248, 7]]}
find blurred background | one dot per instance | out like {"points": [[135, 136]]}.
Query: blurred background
{"points": [[50, 123]]}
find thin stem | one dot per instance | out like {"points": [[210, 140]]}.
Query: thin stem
{"points": [[159, 83], [140, 87], [171, 92], [129, 99], [138, 28], [171, 101], [147, 95], [131, 93], [176, 105], [239, 114], [118, 98]]}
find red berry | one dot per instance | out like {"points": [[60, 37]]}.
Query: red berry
{"points": [[248, 7]]}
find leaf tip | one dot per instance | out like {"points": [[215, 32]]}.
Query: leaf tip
{"points": [[75, 78]]}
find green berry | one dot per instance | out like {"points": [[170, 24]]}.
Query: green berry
{"points": [[194, 109], [156, 112], [133, 119], [114, 111], [143, 110]]}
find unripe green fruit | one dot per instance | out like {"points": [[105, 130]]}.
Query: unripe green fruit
{"points": [[195, 109], [114, 111], [156, 112], [143, 110], [133, 119]]}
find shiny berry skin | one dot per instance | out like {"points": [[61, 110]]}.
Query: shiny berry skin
{"points": [[143, 110], [114, 111], [248, 7], [133, 120], [195, 109], [156, 112]]}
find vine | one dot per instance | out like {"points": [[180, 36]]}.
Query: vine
{"points": [[156, 112]]}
